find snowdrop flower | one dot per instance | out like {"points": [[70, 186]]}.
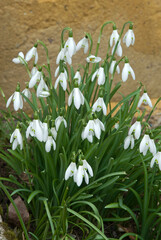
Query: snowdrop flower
{"points": [[32, 53], [35, 78], [129, 140], [147, 144], [129, 38], [145, 99], [45, 131], [16, 139], [157, 159], [135, 129], [77, 97], [42, 89], [78, 76], [63, 81], [83, 43], [35, 129], [33, 71], [127, 69], [19, 59], [70, 45], [100, 74], [111, 69], [53, 132], [16, 98], [93, 59], [27, 93], [71, 170], [57, 71], [114, 37], [60, 56], [116, 126], [93, 127], [82, 173], [58, 121], [49, 143], [118, 49], [99, 105]]}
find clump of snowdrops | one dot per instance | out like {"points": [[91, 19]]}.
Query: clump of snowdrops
{"points": [[87, 164]]}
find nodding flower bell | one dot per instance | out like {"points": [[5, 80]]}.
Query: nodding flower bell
{"points": [[93, 59], [16, 139], [112, 66], [49, 143], [78, 76], [129, 140], [71, 170], [83, 43], [100, 74], [26, 92], [114, 36], [145, 99], [64, 55], [76, 96], [129, 38], [70, 45], [147, 144], [32, 53], [42, 89], [157, 159], [127, 69], [35, 78], [62, 79], [19, 59], [99, 105], [135, 129], [58, 121], [16, 98]]}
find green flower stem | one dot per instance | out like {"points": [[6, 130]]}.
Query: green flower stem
{"points": [[152, 183], [16, 209], [62, 35], [49, 216], [100, 35], [26, 65]]}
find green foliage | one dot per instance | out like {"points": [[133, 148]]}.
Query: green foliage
{"points": [[123, 188]]}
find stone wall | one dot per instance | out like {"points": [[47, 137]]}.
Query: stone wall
{"points": [[25, 21]]}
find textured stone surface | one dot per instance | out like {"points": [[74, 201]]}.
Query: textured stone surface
{"points": [[25, 21], [12, 215]]}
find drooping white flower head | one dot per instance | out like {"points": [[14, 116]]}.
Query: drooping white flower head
{"points": [[45, 131], [135, 129], [116, 126], [16, 139], [83, 43], [100, 74], [62, 78], [35, 129], [93, 128], [33, 71], [157, 159], [118, 49], [58, 121], [82, 173], [127, 69], [129, 38], [145, 99], [16, 98], [114, 37], [54, 132], [19, 59], [70, 45], [71, 170], [49, 143], [35, 78], [60, 56], [111, 69], [27, 93], [78, 76], [93, 59], [99, 105], [32, 53], [77, 97], [42, 89], [147, 144], [129, 140]]}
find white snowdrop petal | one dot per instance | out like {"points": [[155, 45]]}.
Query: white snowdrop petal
{"points": [[9, 101]]}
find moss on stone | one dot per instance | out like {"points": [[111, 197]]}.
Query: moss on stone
{"points": [[8, 234]]}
